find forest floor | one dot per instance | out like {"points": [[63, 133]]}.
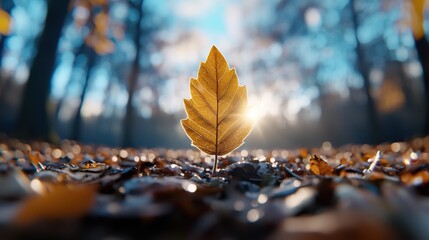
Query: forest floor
{"points": [[74, 191]]}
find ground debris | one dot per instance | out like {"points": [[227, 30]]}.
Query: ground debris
{"points": [[372, 192]]}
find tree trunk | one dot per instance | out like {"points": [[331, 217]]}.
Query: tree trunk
{"points": [[33, 120], [77, 122], [363, 70], [2, 44], [5, 82], [422, 47], [79, 52], [132, 82]]}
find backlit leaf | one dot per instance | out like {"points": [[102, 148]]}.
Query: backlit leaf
{"points": [[217, 122]]}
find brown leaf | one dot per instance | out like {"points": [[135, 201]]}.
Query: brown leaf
{"points": [[35, 160], [421, 177], [62, 202], [217, 120], [320, 167]]}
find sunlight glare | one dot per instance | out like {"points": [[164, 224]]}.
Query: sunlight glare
{"points": [[253, 113]]}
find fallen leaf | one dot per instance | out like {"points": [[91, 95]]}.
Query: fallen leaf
{"points": [[217, 122], [421, 177], [35, 160], [303, 153], [62, 202], [320, 167]]}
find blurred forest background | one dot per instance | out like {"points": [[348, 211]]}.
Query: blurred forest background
{"points": [[115, 71]]}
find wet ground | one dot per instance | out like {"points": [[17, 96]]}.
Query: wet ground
{"points": [[74, 191]]}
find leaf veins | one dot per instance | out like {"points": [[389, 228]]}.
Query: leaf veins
{"points": [[217, 122]]}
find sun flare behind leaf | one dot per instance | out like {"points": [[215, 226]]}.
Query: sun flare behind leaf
{"points": [[253, 113]]}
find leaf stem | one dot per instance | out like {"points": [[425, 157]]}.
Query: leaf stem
{"points": [[214, 165], [217, 118]]}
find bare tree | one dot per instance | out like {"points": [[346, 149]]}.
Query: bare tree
{"points": [[77, 122], [33, 121], [96, 43], [133, 79], [422, 48], [363, 70]]}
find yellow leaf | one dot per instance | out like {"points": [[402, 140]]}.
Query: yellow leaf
{"points": [[417, 18], [217, 122], [101, 22], [104, 46], [63, 202], [4, 22], [101, 44], [98, 2], [320, 167]]}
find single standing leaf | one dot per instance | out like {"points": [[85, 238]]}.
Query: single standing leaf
{"points": [[217, 122]]}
